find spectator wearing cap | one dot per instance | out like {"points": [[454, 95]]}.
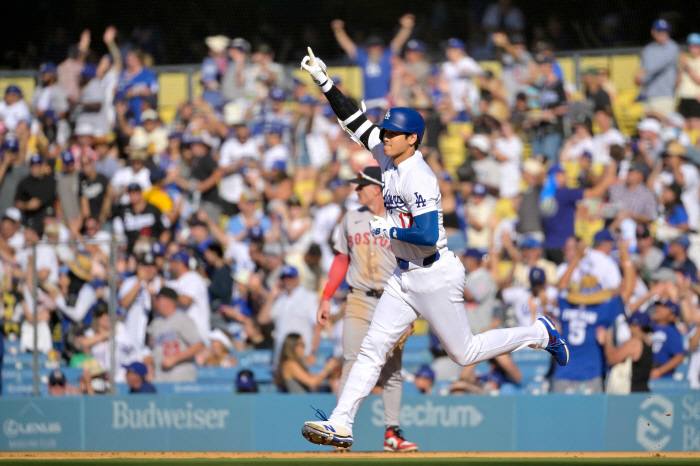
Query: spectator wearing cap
{"points": [[135, 172], [67, 187], [13, 109], [149, 134], [11, 237], [59, 386], [94, 191], [528, 257], [93, 108], [237, 80], [137, 85], [517, 63], [175, 340], [13, 169], [458, 71], [559, 210], [141, 220], [479, 291], [136, 296], [136, 378], [270, 261], [410, 81], [553, 106], [677, 258], [275, 150], [193, 295], [213, 68], [275, 115], [479, 210], [424, 379], [649, 257], [49, 95], [484, 166], [37, 192], [235, 154], [689, 85], [634, 199], [596, 97], [677, 169], [95, 342], [597, 262], [657, 75], [374, 59], [667, 343], [292, 309], [638, 348], [649, 146], [265, 69], [533, 301]]}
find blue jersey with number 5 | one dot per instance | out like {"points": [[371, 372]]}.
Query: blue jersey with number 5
{"points": [[578, 325]]}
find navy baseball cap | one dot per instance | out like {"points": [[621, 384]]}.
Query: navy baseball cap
{"points": [[369, 175], [255, 232], [475, 253], [67, 158], [138, 368], [12, 89], [10, 145], [245, 382], [158, 249], [289, 272], [180, 256], [603, 235], [673, 307], [556, 168], [157, 176], [36, 160], [57, 378], [530, 242], [168, 293], [537, 276], [642, 319], [456, 43], [134, 187], [425, 371], [47, 67], [661, 25], [682, 241], [479, 190], [416, 45], [277, 94]]}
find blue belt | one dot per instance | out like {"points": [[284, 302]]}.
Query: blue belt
{"points": [[404, 264]]}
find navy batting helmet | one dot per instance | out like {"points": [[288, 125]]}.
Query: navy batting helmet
{"points": [[403, 120]]}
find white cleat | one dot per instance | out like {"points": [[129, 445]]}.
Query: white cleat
{"points": [[327, 433]]}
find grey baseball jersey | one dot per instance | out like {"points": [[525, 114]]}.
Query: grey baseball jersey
{"points": [[171, 336], [371, 260]]}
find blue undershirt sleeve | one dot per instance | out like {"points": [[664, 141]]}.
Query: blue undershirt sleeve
{"points": [[424, 232]]}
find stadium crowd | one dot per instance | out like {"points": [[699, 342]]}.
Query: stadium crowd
{"points": [[219, 223]]}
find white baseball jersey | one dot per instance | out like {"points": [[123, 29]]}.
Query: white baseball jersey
{"points": [[410, 189]]}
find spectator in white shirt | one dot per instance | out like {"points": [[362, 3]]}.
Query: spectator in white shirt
{"points": [[597, 262], [579, 142], [508, 152], [276, 150], [136, 297], [235, 153], [13, 109], [678, 170], [136, 172], [606, 138], [192, 291], [458, 71], [49, 95]]}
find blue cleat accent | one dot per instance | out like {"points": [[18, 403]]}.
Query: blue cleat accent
{"points": [[556, 346], [325, 433]]}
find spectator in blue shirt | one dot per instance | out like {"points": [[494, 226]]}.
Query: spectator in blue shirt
{"points": [[667, 343], [249, 217], [137, 85], [674, 212], [136, 378], [558, 206], [375, 60]]}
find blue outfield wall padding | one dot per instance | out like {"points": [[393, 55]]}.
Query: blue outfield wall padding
{"points": [[273, 422]]}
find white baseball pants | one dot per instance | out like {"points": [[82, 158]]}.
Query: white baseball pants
{"points": [[436, 293]]}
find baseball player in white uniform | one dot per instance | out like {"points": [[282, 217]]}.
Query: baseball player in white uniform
{"points": [[428, 280], [366, 263]]}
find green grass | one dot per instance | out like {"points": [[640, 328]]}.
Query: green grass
{"points": [[365, 462]]}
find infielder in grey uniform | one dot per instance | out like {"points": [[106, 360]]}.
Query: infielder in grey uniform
{"points": [[366, 263]]}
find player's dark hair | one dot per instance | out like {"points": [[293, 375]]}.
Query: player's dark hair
{"points": [[216, 249], [415, 144]]}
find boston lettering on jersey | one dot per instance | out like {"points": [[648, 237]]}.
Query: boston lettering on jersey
{"points": [[365, 238]]}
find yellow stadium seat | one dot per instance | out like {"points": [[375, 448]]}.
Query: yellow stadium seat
{"points": [[627, 111], [568, 68], [622, 70], [173, 89]]}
